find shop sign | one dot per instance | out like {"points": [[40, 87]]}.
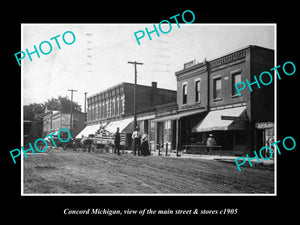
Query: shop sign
{"points": [[264, 125]]}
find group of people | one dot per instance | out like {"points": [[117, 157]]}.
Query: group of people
{"points": [[140, 144]]}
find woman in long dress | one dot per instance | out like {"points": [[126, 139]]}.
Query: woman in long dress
{"points": [[145, 145]]}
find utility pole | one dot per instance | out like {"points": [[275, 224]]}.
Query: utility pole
{"points": [[134, 91], [85, 115], [71, 109]]}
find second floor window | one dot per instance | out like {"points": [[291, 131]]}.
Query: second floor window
{"points": [[236, 78], [197, 90], [217, 88], [184, 94], [117, 105]]}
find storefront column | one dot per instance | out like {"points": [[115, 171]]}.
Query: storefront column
{"points": [[178, 137]]}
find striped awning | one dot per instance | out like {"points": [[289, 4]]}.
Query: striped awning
{"points": [[213, 120], [123, 126], [90, 129]]}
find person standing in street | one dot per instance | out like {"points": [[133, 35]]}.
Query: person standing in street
{"points": [[136, 139], [117, 137], [210, 142], [145, 145]]}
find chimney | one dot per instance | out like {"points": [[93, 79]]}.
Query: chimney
{"points": [[153, 92], [154, 84]]}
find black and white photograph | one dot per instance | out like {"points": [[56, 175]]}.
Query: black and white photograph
{"points": [[149, 111], [166, 114]]}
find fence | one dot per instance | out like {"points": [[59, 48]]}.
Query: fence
{"points": [[202, 149], [163, 149]]}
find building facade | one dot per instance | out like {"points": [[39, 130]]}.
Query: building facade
{"points": [[206, 103], [231, 118], [55, 120], [117, 101], [113, 108]]}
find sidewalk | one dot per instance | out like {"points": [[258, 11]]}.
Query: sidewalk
{"points": [[224, 158]]}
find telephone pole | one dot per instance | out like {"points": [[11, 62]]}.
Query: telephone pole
{"points": [[71, 109], [134, 91], [85, 114]]}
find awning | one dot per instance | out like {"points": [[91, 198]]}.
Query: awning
{"points": [[178, 115], [123, 125], [213, 120], [90, 129]]}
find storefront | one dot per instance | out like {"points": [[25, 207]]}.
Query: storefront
{"points": [[175, 130], [126, 128], [89, 130], [228, 127], [264, 135], [104, 132]]}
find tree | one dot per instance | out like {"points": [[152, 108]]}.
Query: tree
{"points": [[53, 104], [33, 111], [36, 111], [62, 104]]}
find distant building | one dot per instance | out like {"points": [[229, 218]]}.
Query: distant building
{"points": [[113, 108], [55, 120], [32, 131]]}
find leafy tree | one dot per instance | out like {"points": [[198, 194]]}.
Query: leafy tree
{"points": [[62, 104], [36, 111], [32, 111]]}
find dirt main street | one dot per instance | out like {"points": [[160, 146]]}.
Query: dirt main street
{"points": [[80, 172]]}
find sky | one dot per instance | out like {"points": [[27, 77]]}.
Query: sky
{"points": [[98, 59]]}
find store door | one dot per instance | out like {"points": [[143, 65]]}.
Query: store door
{"points": [[260, 138], [160, 132]]}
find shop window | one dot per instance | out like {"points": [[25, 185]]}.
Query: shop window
{"points": [[167, 131], [152, 131], [168, 124]]}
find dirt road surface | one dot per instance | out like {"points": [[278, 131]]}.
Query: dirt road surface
{"points": [[81, 172]]}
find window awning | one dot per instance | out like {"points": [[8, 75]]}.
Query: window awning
{"points": [[213, 120], [178, 115], [90, 129], [125, 126]]}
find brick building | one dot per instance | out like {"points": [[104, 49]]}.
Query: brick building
{"points": [[113, 108], [206, 102], [53, 121], [209, 88]]}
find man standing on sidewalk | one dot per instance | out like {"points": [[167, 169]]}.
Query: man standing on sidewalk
{"points": [[136, 140], [210, 142], [117, 141]]}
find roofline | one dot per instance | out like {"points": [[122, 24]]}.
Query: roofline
{"points": [[121, 84], [219, 57], [239, 49]]}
